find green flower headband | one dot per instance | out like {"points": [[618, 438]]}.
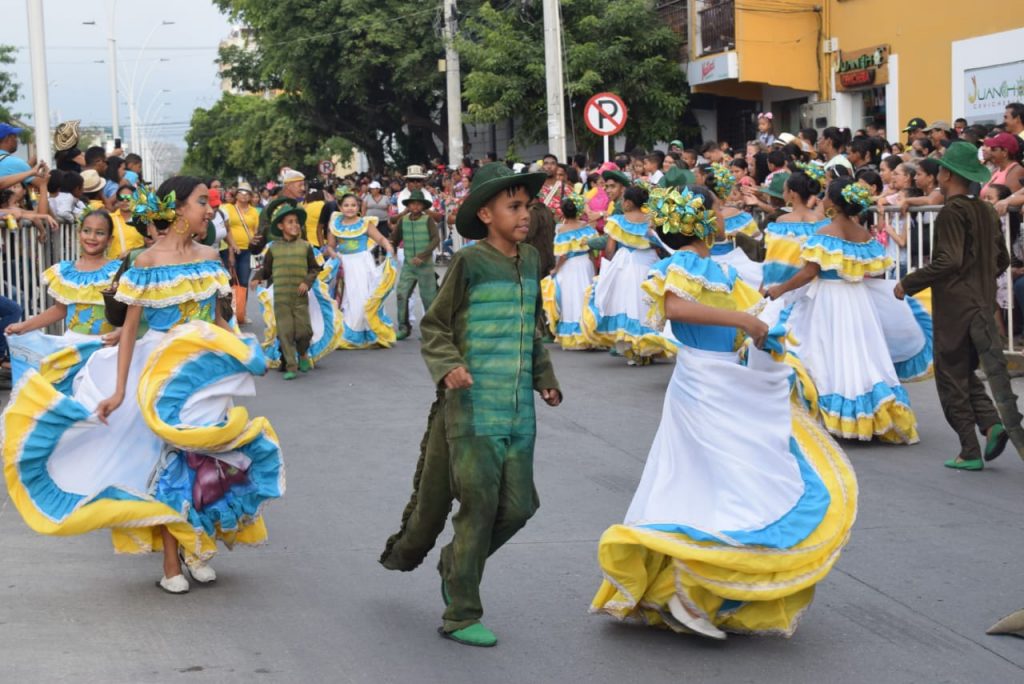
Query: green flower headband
{"points": [[147, 207], [681, 211], [724, 180], [812, 170], [578, 201], [857, 194]]}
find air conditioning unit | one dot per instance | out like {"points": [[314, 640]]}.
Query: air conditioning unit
{"points": [[819, 115]]}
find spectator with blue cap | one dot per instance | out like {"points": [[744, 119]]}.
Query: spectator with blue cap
{"points": [[14, 170]]}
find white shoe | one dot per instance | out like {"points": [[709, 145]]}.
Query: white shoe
{"points": [[696, 624], [200, 570], [174, 585]]}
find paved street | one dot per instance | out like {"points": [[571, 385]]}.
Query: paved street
{"points": [[935, 559]]}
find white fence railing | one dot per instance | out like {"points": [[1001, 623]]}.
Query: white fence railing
{"points": [[24, 256]]}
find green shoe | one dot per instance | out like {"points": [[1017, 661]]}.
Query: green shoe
{"points": [[444, 593], [289, 375], [474, 635], [402, 334], [305, 365], [960, 464], [996, 441]]}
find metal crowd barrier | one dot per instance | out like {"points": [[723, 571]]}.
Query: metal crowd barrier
{"points": [[23, 258]]}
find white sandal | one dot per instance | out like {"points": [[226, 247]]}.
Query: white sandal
{"points": [[199, 570], [694, 623]]}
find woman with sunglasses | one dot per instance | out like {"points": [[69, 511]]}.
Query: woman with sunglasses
{"points": [[125, 237]]}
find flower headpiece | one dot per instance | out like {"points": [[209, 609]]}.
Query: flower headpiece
{"points": [[147, 207], [681, 211], [578, 201], [857, 194], [643, 184], [812, 170], [724, 180], [765, 115]]}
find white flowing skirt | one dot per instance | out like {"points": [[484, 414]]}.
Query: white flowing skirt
{"points": [[749, 271]]}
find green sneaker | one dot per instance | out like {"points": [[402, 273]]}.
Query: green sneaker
{"points": [[474, 635], [960, 464], [305, 364], [402, 334], [289, 375], [995, 441]]}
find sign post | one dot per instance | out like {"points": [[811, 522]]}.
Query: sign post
{"points": [[605, 115]]}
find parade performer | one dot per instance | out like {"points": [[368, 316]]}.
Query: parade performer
{"points": [[564, 290], [785, 237], [420, 236], [613, 315], [968, 256], [291, 269], [732, 223], [855, 344], [144, 438], [737, 516], [482, 346], [77, 290], [366, 285]]}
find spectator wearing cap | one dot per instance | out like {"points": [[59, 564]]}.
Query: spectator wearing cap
{"points": [[1013, 118], [92, 189], [1001, 152], [14, 170], [96, 159], [415, 179], [938, 133], [915, 129], [376, 203]]}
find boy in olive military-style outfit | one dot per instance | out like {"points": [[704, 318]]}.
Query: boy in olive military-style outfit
{"points": [[289, 264], [968, 257], [421, 237], [483, 348]]}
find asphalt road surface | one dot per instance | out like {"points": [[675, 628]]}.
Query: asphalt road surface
{"points": [[935, 558]]}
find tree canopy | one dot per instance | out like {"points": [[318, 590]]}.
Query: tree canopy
{"points": [[251, 136], [9, 88]]}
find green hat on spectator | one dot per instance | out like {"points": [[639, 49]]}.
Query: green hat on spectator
{"points": [[676, 177], [962, 159], [776, 186], [617, 176]]}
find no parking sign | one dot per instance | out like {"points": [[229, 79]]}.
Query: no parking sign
{"points": [[605, 114]]}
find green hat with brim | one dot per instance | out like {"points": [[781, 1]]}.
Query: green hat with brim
{"points": [[488, 181], [961, 158], [280, 213], [617, 176], [776, 187], [417, 196], [676, 177], [676, 143]]}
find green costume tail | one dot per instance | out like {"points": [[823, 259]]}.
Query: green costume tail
{"points": [[427, 512]]}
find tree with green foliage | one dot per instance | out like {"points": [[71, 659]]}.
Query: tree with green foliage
{"points": [[365, 70], [621, 46], [9, 88], [252, 136]]}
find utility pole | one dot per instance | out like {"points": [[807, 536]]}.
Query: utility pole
{"points": [[40, 95], [555, 80], [115, 125], [454, 85]]}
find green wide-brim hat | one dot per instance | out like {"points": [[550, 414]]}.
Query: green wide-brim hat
{"points": [[282, 211], [676, 177], [417, 196], [618, 176], [488, 181], [962, 159], [777, 187]]}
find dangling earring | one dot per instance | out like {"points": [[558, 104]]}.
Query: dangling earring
{"points": [[186, 229], [830, 212]]}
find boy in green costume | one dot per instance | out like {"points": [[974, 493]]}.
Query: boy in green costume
{"points": [[482, 346], [419, 232], [290, 266]]}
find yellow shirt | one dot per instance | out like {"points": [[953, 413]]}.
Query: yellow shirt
{"points": [[313, 211], [241, 224], [124, 239]]}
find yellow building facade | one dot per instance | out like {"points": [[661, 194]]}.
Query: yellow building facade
{"points": [[817, 63]]}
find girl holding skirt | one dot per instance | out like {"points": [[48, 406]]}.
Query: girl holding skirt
{"points": [[736, 518], [365, 284], [564, 290]]}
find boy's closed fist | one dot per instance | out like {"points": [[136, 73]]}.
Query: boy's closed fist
{"points": [[551, 397], [459, 378]]}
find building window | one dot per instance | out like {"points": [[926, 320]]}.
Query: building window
{"points": [[716, 20]]}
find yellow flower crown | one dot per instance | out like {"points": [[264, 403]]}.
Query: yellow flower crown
{"points": [[681, 211]]}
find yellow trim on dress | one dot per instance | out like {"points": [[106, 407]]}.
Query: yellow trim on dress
{"points": [[750, 228], [891, 422], [848, 267], [616, 232], [385, 333], [67, 292], [580, 244], [185, 288], [549, 302]]}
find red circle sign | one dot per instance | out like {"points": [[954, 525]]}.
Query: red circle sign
{"points": [[605, 114]]}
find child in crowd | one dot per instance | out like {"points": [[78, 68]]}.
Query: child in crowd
{"points": [[968, 255], [481, 343], [290, 266], [421, 237], [765, 134]]}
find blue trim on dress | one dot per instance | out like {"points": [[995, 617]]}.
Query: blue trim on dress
{"points": [[705, 269], [777, 272], [789, 530], [735, 223], [920, 364], [864, 406]]}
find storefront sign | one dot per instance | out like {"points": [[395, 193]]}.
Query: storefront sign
{"points": [[989, 89], [719, 67], [863, 68]]}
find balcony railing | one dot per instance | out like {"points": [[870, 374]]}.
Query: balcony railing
{"points": [[716, 20], [675, 14]]}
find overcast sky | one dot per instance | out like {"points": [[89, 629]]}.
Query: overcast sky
{"points": [[79, 87]]}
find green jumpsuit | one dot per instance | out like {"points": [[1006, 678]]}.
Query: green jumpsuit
{"points": [[478, 448], [421, 239], [287, 265]]}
